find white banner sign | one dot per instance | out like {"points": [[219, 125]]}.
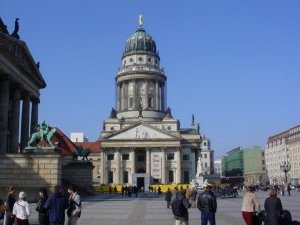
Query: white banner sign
{"points": [[156, 165]]}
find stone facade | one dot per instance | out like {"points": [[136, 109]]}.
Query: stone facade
{"points": [[29, 172], [283, 147], [207, 157], [141, 142]]}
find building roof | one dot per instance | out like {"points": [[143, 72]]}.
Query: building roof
{"points": [[94, 147], [290, 135]]}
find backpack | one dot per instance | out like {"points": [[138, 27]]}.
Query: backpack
{"points": [[286, 217], [178, 208]]}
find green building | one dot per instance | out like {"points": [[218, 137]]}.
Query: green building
{"points": [[246, 162]]}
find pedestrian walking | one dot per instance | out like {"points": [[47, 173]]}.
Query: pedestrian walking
{"points": [[193, 197], [168, 197], [21, 210], [250, 205], [180, 207], [9, 204], [43, 215], [207, 204], [273, 208], [115, 190], [74, 209], [2, 209], [56, 204], [288, 188]]}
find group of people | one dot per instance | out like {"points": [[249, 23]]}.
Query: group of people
{"points": [[51, 210], [181, 200], [251, 207]]}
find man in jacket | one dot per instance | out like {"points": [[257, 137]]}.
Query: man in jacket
{"points": [[207, 204], [180, 207], [56, 204]]}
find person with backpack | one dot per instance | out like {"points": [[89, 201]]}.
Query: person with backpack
{"points": [[207, 204], [180, 206], [273, 208], [74, 210]]}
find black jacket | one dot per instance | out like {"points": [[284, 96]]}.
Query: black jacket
{"points": [[207, 202], [273, 208]]}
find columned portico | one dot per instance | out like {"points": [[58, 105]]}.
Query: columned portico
{"points": [[15, 120], [4, 106], [163, 166], [25, 121], [148, 160], [34, 114], [118, 166], [178, 166]]}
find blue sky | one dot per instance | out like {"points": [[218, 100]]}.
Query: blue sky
{"points": [[234, 64]]}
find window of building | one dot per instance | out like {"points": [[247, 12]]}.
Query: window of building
{"points": [[170, 156], [205, 165], [186, 177], [141, 158], [110, 177], [125, 176], [150, 102], [186, 157], [110, 156], [130, 102], [205, 156], [171, 176], [204, 143], [125, 156]]}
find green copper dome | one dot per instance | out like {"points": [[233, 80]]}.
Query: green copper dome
{"points": [[140, 41]]}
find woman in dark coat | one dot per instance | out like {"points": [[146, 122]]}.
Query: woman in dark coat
{"points": [[273, 208], [43, 212]]}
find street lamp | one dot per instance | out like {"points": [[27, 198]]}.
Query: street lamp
{"points": [[285, 167]]}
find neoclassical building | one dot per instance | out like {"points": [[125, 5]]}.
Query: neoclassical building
{"points": [[141, 142], [280, 148], [20, 84]]}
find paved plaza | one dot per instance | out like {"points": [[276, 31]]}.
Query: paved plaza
{"points": [[151, 210]]}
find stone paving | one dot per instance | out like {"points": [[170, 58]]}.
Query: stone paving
{"points": [[105, 209]]}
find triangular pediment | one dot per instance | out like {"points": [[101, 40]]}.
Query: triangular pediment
{"points": [[142, 131]]}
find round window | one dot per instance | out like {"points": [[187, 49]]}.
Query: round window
{"points": [[131, 59], [141, 59], [149, 60]]}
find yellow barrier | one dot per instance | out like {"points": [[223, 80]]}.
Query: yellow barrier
{"points": [[164, 187]]}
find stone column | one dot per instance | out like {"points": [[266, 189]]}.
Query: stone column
{"points": [[132, 159], [34, 114], [103, 170], [156, 95], [135, 104], [148, 161], [118, 166], [162, 103], [178, 166], [15, 121], [4, 105], [146, 95], [163, 165], [25, 121]]}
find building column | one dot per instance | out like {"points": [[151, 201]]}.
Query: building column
{"points": [[15, 121], [103, 170], [118, 162], [135, 104], [163, 166], [34, 115], [162, 103], [132, 159], [178, 166], [25, 121], [148, 161], [4, 106], [146, 95], [156, 95]]}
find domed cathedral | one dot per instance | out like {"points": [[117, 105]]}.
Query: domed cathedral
{"points": [[141, 142]]}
